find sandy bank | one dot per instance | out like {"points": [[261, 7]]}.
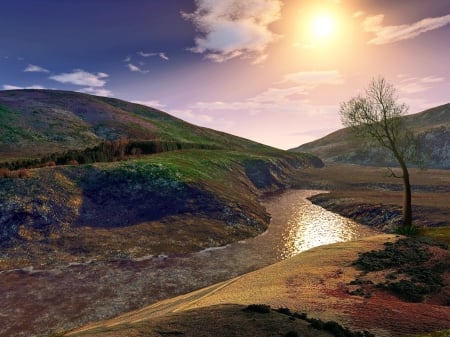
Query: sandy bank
{"points": [[315, 282]]}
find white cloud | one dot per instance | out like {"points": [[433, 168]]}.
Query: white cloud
{"points": [[358, 14], [412, 85], [234, 28], [276, 115], [295, 90], [127, 59], [433, 79], [137, 69], [141, 53], [81, 77], [96, 91], [151, 103], [14, 87], [161, 55], [314, 78], [389, 34], [35, 69], [200, 118]]}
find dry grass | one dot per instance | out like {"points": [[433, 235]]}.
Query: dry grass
{"points": [[316, 281], [357, 177]]}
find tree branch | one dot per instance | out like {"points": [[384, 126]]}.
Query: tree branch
{"points": [[392, 174]]}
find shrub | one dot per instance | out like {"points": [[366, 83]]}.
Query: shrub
{"points": [[259, 308], [411, 259], [407, 290], [4, 173], [50, 164], [23, 173], [292, 334], [284, 311], [407, 230]]}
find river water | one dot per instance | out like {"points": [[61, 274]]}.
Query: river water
{"points": [[296, 225], [70, 296]]}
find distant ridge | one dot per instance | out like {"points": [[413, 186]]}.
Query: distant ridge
{"points": [[432, 126]]}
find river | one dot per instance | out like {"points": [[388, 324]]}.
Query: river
{"points": [[34, 301], [296, 225]]}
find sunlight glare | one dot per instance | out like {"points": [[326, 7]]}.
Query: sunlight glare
{"points": [[322, 26]]}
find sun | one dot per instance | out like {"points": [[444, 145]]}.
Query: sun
{"points": [[322, 26]]}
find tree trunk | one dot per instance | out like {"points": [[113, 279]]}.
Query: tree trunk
{"points": [[407, 208]]}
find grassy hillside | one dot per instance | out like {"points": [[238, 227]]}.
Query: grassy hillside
{"points": [[431, 126], [39, 122], [173, 202]]}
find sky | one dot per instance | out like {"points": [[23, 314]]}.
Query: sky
{"points": [[274, 71]]}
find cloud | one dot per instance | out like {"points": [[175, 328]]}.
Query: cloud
{"points": [[201, 118], [81, 77], [234, 28], [389, 34], [135, 68], [412, 85], [161, 55], [14, 87], [291, 91], [432, 79], [358, 14], [276, 115], [314, 78], [31, 68], [151, 103], [96, 91]]}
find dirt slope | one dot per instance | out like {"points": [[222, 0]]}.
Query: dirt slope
{"points": [[316, 282]]}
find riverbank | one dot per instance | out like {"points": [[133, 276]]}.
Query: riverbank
{"points": [[62, 298], [318, 282], [40, 300], [370, 196]]}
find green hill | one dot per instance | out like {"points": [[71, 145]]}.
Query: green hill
{"points": [[199, 187], [431, 126], [40, 122]]}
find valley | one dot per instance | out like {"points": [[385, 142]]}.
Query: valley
{"points": [[61, 297], [108, 206]]}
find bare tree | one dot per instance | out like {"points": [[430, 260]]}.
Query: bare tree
{"points": [[376, 116]]}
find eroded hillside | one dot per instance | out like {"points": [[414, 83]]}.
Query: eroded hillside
{"points": [[174, 202]]}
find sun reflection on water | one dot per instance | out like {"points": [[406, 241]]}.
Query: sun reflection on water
{"points": [[312, 226]]}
